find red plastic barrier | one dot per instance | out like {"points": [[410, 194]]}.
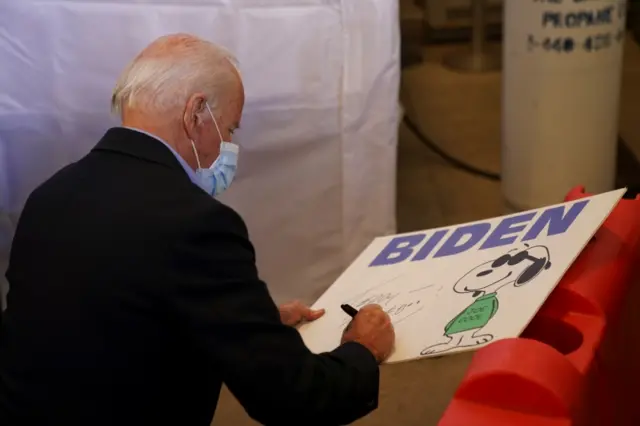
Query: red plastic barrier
{"points": [[578, 361]]}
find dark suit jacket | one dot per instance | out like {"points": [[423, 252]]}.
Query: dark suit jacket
{"points": [[134, 295]]}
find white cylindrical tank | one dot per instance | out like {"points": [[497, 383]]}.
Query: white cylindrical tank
{"points": [[561, 92]]}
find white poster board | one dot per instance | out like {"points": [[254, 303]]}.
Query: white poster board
{"points": [[458, 288]]}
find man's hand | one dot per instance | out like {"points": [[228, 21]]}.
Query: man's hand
{"points": [[293, 313], [372, 328]]}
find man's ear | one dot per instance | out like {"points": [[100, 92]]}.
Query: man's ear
{"points": [[192, 115]]}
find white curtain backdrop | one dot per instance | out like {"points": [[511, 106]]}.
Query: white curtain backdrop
{"points": [[318, 141]]}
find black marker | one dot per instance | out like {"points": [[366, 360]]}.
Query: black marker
{"points": [[349, 310]]}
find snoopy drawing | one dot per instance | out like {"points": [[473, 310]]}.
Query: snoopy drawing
{"points": [[517, 267]]}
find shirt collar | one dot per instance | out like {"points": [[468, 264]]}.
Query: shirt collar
{"points": [[185, 166]]}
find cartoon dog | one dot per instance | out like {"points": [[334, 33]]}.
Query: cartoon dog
{"points": [[483, 282]]}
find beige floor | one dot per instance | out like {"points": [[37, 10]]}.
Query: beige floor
{"points": [[462, 113]]}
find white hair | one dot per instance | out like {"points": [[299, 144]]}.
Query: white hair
{"points": [[171, 69]]}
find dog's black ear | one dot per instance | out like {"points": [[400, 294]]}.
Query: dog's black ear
{"points": [[505, 258], [532, 271], [548, 265]]}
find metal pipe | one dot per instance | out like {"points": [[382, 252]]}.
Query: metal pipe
{"points": [[544, 155], [478, 57]]}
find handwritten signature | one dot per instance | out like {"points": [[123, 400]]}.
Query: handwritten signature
{"points": [[385, 300], [395, 304]]}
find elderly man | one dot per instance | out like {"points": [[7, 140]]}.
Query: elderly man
{"points": [[134, 292]]}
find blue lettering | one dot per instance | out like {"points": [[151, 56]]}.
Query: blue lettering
{"points": [[572, 20], [556, 219], [551, 18], [506, 231], [430, 245], [568, 44], [597, 42], [475, 232], [558, 44], [604, 16], [583, 18], [398, 250]]}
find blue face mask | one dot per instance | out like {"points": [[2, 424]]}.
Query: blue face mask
{"points": [[218, 177]]}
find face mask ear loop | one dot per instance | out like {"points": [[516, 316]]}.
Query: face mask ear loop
{"points": [[214, 122], [195, 152]]}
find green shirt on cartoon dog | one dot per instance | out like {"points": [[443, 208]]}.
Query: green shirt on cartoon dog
{"points": [[475, 316]]}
